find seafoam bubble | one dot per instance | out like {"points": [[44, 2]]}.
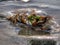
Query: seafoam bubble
{"points": [[10, 13], [41, 12], [25, 0]]}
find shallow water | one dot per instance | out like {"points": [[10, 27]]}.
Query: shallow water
{"points": [[8, 32]]}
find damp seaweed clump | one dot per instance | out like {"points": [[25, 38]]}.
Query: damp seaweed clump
{"points": [[31, 22]]}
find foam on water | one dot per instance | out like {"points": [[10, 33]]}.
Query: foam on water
{"points": [[55, 27]]}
